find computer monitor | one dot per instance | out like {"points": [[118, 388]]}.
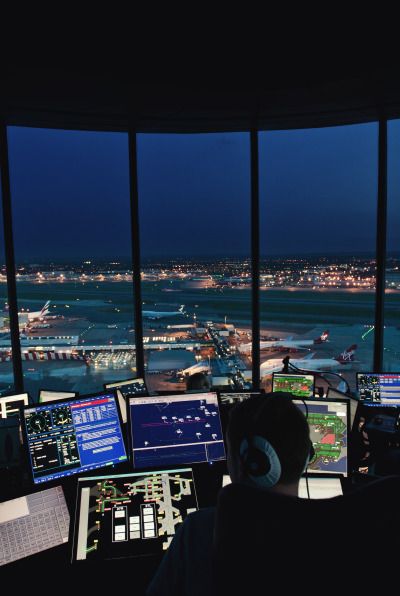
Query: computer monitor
{"points": [[230, 399], [336, 394], [329, 430], [73, 436], [375, 432], [297, 384], [226, 479], [129, 388], [320, 488], [11, 404], [132, 514], [175, 429], [125, 389], [46, 395], [381, 388]]}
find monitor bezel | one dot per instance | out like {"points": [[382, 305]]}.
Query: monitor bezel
{"points": [[82, 473], [55, 391], [325, 400], [155, 397], [294, 374]]}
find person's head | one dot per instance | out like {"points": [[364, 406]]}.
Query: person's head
{"points": [[259, 423]]}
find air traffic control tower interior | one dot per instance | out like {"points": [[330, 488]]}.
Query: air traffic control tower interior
{"points": [[192, 280]]}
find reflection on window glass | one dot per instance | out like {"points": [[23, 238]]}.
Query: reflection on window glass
{"points": [[194, 196], [71, 213], [318, 192], [391, 353], [6, 369]]}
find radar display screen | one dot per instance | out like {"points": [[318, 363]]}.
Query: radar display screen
{"points": [[132, 514], [381, 388], [73, 436], [175, 430], [297, 385], [329, 423]]}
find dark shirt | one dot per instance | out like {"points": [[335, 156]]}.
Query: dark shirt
{"points": [[186, 566]]}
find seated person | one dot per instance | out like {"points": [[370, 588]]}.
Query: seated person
{"points": [[254, 424], [261, 534]]}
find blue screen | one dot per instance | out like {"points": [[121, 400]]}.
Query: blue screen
{"points": [[379, 387], [73, 436], [178, 429]]}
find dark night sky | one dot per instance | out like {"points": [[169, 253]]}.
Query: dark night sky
{"points": [[70, 192]]}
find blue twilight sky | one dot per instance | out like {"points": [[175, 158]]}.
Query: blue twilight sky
{"points": [[70, 192]]}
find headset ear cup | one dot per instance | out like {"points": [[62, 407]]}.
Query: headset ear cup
{"points": [[260, 461], [257, 463]]}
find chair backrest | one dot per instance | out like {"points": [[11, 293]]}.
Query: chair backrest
{"points": [[264, 539]]}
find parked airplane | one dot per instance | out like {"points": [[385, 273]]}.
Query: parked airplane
{"points": [[154, 314], [38, 315], [287, 343], [299, 343], [203, 367], [310, 364]]}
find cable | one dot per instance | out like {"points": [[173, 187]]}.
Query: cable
{"points": [[319, 373], [305, 471], [307, 486]]}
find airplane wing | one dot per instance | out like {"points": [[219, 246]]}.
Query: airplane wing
{"points": [[269, 367]]}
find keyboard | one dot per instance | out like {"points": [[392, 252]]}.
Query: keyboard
{"points": [[31, 524]]}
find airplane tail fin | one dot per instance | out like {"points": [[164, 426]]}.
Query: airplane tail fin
{"points": [[45, 307], [322, 338], [348, 355]]}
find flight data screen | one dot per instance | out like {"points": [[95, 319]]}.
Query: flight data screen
{"points": [[379, 388], [328, 422], [176, 429], [297, 385], [130, 387], [132, 514], [73, 436]]}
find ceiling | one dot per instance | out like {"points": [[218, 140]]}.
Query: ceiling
{"points": [[108, 98]]}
